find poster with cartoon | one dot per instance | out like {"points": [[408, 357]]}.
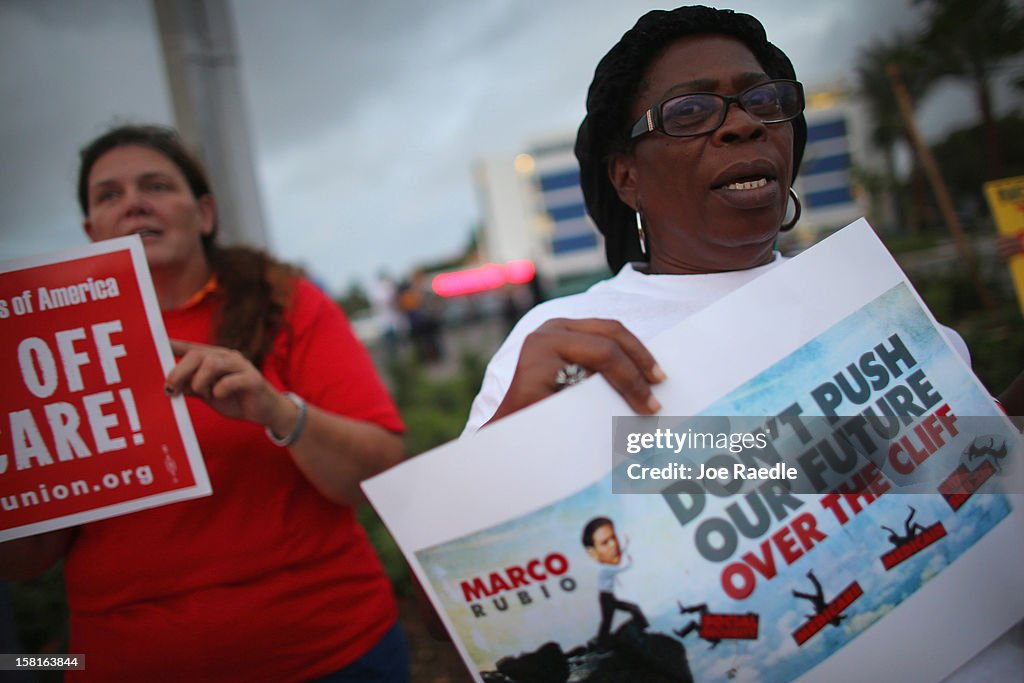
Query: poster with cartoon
{"points": [[86, 430], [900, 521]]}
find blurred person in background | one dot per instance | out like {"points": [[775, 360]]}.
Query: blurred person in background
{"points": [[270, 578], [384, 304], [422, 310]]}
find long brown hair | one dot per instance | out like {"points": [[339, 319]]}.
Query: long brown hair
{"points": [[255, 287]]}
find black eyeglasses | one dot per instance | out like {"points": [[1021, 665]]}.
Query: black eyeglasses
{"points": [[698, 113]]}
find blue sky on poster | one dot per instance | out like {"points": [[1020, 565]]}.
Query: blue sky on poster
{"points": [[669, 571], [366, 118]]}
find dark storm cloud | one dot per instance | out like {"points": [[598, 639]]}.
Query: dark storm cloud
{"points": [[366, 117], [70, 70]]}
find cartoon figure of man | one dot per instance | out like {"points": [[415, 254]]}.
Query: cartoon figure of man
{"points": [[702, 608], [818, 599], [911, 530], [602, 544]]}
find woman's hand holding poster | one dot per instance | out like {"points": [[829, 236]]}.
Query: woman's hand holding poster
{"points": [[869, 505]]}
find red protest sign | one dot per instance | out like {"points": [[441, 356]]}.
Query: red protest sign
{"points": [[86, 431]]}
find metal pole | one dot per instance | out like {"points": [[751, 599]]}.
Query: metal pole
{"points": [[198, 41]]}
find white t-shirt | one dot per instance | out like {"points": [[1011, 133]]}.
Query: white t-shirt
{"points": [[646, 304], [608, 573]]}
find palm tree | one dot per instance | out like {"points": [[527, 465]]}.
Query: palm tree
{"points": [[970, 39], [889, 131]]}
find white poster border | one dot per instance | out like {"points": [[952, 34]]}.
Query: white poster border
{"points": [[970, 615]]}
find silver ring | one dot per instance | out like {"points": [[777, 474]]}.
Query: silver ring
{"points": [[569, 374]]}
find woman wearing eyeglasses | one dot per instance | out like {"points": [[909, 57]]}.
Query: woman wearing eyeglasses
{"points": [[693, 135]]}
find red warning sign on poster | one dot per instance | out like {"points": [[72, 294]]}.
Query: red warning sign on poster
{"points": [[86, 431]]}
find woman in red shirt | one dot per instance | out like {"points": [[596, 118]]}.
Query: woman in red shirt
{"points": [[270, 578]]}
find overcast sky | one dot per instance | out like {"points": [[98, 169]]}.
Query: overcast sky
{"points": [[366, 117]]}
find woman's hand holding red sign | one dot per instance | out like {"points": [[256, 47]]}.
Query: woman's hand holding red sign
{"points": [[229, 384]]}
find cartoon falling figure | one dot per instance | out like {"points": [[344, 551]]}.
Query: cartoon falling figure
{"points": [[817, 599], [910, 530], [984, 448], [694, 625]]}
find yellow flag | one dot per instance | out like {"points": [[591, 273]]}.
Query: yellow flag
{"points": [[1006, 200]]}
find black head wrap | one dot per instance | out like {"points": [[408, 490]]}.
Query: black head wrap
{"points": [[605, 128]]}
